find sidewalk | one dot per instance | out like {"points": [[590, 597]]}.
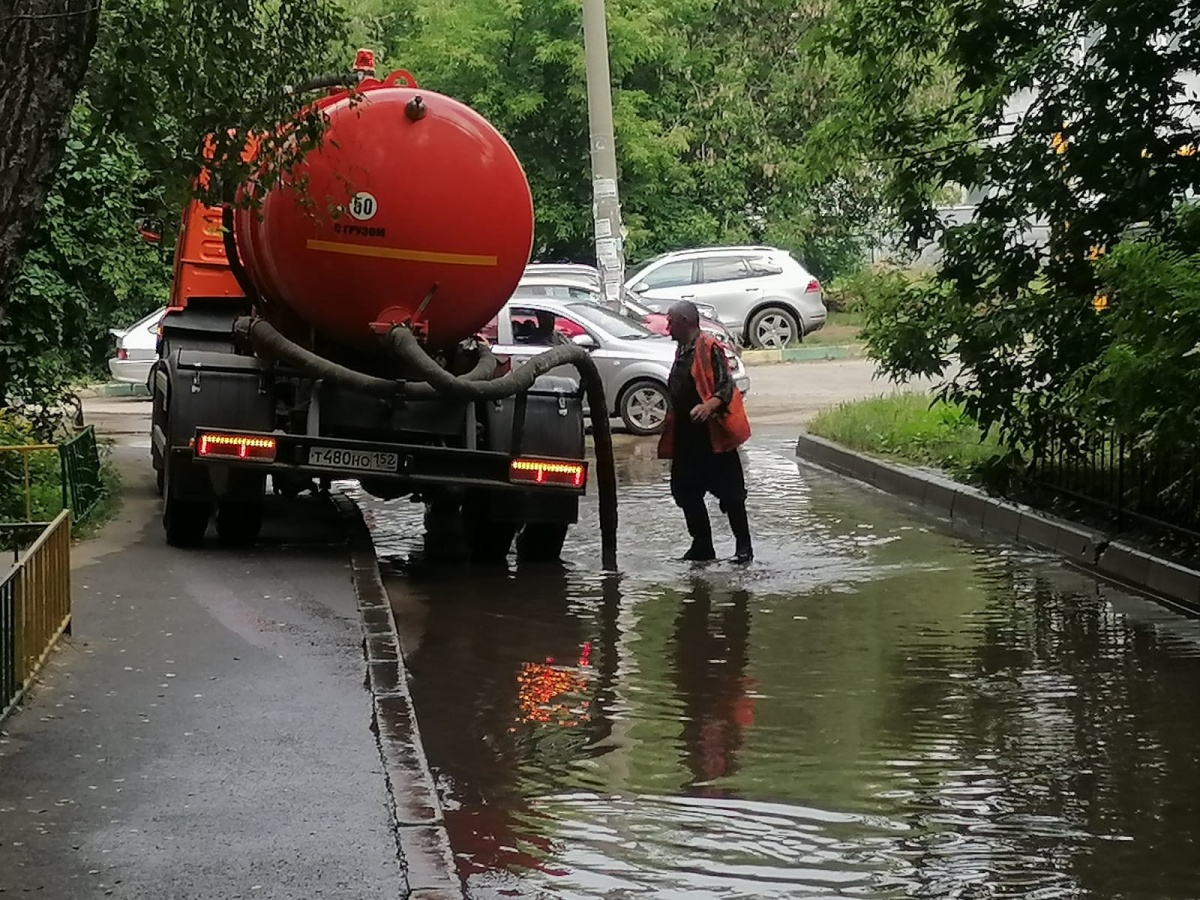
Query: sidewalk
{"points": [[204, 733]]}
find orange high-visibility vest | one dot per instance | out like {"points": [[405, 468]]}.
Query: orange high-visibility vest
{"points": [[728, 428]]}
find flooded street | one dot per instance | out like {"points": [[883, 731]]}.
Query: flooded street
{"points": [[876, 707]]}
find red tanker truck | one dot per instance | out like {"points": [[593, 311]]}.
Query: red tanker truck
{"points": [[315, 341]]}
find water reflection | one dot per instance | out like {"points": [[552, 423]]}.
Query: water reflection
{"points": [[711, 655], [876, 708]]}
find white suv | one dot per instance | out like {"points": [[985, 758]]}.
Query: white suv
{"points": [[761, 294]]}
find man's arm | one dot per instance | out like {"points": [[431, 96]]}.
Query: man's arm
{"points": [[723, 386]]}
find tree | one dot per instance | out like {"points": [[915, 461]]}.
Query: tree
{"points": [[1077, 119], [163, 75], [45, 46], [714, 103]]}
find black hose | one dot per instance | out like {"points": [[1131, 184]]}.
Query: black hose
{"points": [[270, 344], [477, 385], [408, 349]]}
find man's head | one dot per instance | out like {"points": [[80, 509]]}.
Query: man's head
{"points": [[683, 321]]}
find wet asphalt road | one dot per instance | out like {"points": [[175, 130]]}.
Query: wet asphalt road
{"points": [[877, 707], [205, 733]]}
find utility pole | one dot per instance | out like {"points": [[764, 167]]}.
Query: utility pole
{"points": [[606, 204]]}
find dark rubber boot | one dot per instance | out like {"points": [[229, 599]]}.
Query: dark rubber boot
{"points": [[739, 523], [700, 529]]}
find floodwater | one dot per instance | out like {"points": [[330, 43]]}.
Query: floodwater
{"points": [[875, 708]]}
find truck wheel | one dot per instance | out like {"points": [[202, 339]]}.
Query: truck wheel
{"points": [[644, 407], [184, 520], [488, 541], [444, 540], [239, 524], [541, 542]]}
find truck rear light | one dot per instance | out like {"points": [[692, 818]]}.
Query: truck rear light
{"points": [[547, 471], [236, 446]]}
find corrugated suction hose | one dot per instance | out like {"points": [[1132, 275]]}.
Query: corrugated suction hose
{"points": [[431, 381], [409, 350]]}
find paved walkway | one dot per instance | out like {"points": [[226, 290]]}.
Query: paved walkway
{"points": [[205, 732]]}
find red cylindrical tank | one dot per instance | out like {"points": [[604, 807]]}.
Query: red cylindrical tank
{"points": [[429, 195]]}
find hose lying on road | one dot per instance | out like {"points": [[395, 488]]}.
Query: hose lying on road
{"points": [[433, 382], [409, 350]]}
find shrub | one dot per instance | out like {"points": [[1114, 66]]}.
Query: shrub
{"points": [[915, 428], [44, 474]]}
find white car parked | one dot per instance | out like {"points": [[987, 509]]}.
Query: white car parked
{"points": [[137, 349]]}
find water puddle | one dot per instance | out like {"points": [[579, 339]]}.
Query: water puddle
{"points": [[875, 708]]}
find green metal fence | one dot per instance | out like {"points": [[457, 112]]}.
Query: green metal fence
{"points": [[82, 486]]}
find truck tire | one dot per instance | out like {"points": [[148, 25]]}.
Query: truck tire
{"points": [[541, 542], [444, 540], [239, 522], [185, 521], [488, 541]]}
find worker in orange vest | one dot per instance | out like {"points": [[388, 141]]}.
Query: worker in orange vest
{"points": [[706, 424]]}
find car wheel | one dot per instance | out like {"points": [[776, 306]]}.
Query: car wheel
{"points": [[644, 406], [773, 328]]}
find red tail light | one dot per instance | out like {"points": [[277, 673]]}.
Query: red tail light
{"points": [[814, 286], [548, 472], [236, 446], [121, 353]]}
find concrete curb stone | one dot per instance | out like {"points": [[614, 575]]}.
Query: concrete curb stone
{"points": [[815, 353], [112, 389], [422, 842], [977, 510]]}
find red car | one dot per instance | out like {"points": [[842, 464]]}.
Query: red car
{"points": [[564, 288]]}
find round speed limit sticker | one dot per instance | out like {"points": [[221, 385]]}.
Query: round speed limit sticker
{"points": [[363, 206]]}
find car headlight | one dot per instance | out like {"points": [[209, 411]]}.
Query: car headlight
{"points": [[709, 312]]}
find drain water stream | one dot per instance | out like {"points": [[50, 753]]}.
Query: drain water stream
{"points": [[875, 708]]}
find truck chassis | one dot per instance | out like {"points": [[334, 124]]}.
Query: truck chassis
{"points": [[224, 420]]}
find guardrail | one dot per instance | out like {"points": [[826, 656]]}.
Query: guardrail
{"points": [[79, 464], [25, 450], [35, 609], [82, 487], [1135, 487]]}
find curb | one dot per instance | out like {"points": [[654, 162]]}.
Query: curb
{"points": [[422, 842], [113, 389], [1093, 550], [816, 353]]}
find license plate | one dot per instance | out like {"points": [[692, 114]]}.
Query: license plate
{"points": [[353, 460]]}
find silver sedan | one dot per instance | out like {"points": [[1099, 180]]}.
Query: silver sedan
{"points": [[633, 361]]}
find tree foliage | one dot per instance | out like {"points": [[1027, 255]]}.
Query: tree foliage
{"points": [[1072, 116], [163, 75], [87, 268], [714, 103], [45, 46], [722, 107]]}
